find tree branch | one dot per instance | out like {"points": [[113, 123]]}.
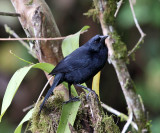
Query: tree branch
{"points": [[126, 126], [119, 114], [118, 7], [118, 56], [17, 38], [32, 39], [139, 29], [13, 33], [38, 22], [10, 14]]}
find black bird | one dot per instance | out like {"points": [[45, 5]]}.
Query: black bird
{"points": [[80, 65]]}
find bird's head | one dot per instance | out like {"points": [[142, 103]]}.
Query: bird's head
{"points": [[97, 42]]}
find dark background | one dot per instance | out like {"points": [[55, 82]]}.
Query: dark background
{"points": [[145, 70]]}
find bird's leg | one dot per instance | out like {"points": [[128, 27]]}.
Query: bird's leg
{"points": [[69, 87], [70, 97], [88, 89]]}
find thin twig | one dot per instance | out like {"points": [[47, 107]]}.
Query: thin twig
{"points": [[126, 126], [43, 90], [20, 58], [28, 108], [119, 114], [118, 7], [39, 39], [135, 19], [138, 27], [32, 39], [13, 33], [137, 45], [140, 98], [10, 14]]}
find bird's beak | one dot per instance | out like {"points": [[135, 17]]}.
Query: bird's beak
{"points": [[103, 37]]}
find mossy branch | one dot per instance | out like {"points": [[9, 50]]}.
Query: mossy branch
{"points": [[118, 58], [90, 117]]}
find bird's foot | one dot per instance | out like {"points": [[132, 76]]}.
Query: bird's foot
{"points": [[74, 99], [92, 92]]}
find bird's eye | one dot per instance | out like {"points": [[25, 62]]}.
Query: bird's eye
{"points": [[97, 40]]}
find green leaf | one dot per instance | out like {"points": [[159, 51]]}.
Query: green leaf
{"points": [[95, 83], [15, 82], [20, 58], [12, 88], [71, 42], [69, 113], [44, 66], [26, 118], [84, 84]]}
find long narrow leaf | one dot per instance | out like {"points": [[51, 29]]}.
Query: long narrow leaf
{"points": [[15, 82], [95, 83], [71, 42], [68, 115], [12, 88]]}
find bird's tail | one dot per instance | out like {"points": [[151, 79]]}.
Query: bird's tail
{"points": [[57, 81]]}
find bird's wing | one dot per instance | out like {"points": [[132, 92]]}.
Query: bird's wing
{"points": [[76, 60]]}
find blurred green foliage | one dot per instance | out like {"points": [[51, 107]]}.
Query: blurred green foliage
{"points": [[7, 59], [147, 12], [148, 58], [6, 126], [6, 6]]}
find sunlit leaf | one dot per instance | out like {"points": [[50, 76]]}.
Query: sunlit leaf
{"points": [[69, 113], [95, 83], [15, 82], [73, 90], [71, 42], [12, 88]]}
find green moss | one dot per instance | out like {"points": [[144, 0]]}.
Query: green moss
{"points": [[109, 12], [105, 123], [148, 126], [48, 120], [49, 117], [29, 2], [109, 125], [123, 117], [119, 47], [92, 13]]}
